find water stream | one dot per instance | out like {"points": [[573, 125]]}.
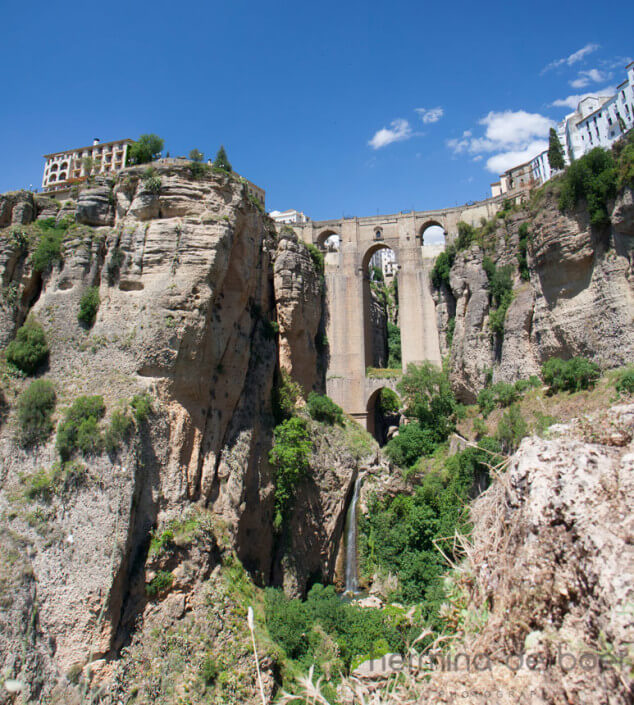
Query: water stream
{"points": [[352, 572]]}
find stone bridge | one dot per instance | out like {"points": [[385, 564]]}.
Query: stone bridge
{"points": [[348, 293]]}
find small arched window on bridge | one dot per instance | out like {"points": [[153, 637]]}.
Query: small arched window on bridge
{"points": [[378, 234]]}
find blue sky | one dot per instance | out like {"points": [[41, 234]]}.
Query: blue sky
{"points": [[335, 108]]}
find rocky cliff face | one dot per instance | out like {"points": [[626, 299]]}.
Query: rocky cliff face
{"points": [[578, 299], [193, 285]]}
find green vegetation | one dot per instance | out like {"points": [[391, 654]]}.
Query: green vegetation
{"points": [[197, 169], [555, 151], [209, 671], [59, 478], [142, 407], [503, 394], [145, 150], [49, 245], [35, 410], [592, 178], [118, 430], [624, 150], [398, 534], [221, 161], [326, 632], [570, 375], [159, 584], [114, 265], [625, 382], [522, 257], [290, 456], [323, 408], [29, 351], [317, 256], [286, 394], [388, 402], [511, 429], [500, 294], [88, 306], [394, 359], [196, 155], [79, 432], [428, 398], [451, 327], [152, 181]]}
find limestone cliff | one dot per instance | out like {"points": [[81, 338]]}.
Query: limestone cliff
{"points": [[200, 304], [578, 298]]}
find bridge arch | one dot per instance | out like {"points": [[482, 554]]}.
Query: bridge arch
{"points": [[327, 235], [382, 409], [432, 232]]}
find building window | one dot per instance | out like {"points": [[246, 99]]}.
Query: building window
{"points": [[378, 234]]}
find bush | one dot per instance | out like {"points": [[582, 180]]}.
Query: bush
{"points": [[398, 534], [442, 267], [35, 409], [522, 256], [79, 432], [142, 406], [286, 393], [146, 149], [486, 401], [196, 156], [388, 402], [290, 457], [500, 293], [88, 306], [393, 345], [29, 350], [48, 249], [505, 394], [411, 443], [592, 178], [209, 671], [325, 628], [118, 431], [159, 584], [323, 408], [152, 181], [114, 265], [570, 375], [466, 236], [511, 429], [198, 169], [625, 382], [451, 327], [317, 256]]}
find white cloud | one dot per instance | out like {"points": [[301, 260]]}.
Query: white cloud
{"points": [[428, 115], [572, 101], [398, 131], [505, 160], [572, 59], [585, 78], [512, 137]]}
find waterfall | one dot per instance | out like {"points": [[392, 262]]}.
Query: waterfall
{"points": [[352, 576]]}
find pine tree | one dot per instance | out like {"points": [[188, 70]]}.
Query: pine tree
{"points": [[221, 161], [555, 151]]}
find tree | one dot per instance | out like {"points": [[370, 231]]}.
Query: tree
{"points": [[146, 149], [221, 161], [196, 155], [555, 151]]}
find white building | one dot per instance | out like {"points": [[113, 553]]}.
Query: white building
{"points": [[385, 260], [598, 121], [289, 217], [65, 168]]}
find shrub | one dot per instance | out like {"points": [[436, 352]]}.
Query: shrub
{"points": [[592, 177], [118, 430], [500, 293], [570, 375], [399, 534], [35, 409], [198, 170], [290, 457], [505, 394], [142, 406], [522, 257], [152, 181], [521, 385], [323, 408], [88, 306], [486, 401], [479, 427], [48, 249], [393, 345], [626, 165], [411, 443], [451, 327], [388, 402], [196, 155], [511, 429], [286, 393], [466, 236], [29, 350], [442, 267], [317, 256], [625, 382], [159, 584], [209, 671], [146, 149], [114, 265], [79, 431]]}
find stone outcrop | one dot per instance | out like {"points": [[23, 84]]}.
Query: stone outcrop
{"points": [[17, 208], [191, 280], [578, 301]]}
